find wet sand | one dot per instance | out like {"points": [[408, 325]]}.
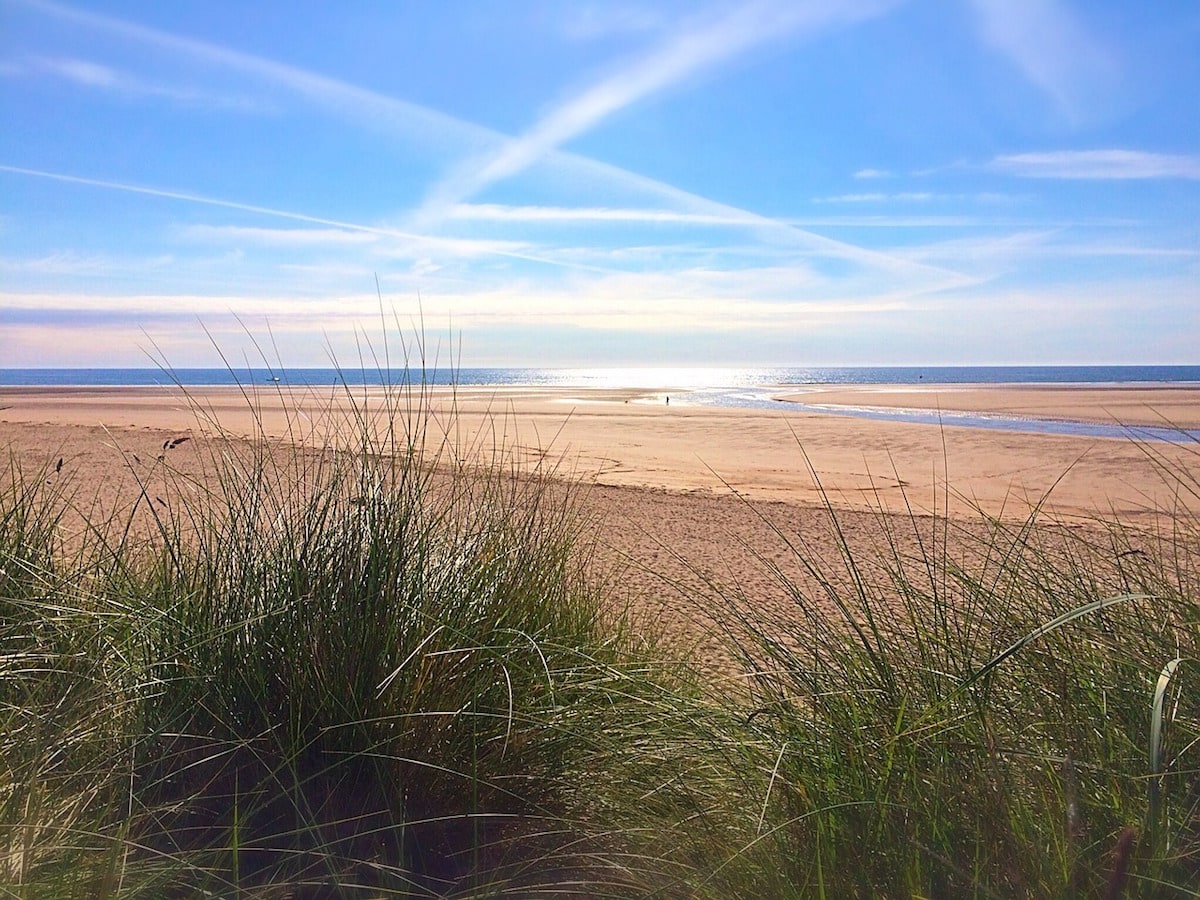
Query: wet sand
{"points": [[1164, 405], [634, 439]]}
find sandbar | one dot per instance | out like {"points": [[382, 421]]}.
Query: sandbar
{"points": [[1167, 405]]}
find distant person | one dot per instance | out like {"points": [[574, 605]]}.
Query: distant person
{"points": [[668, 399]]}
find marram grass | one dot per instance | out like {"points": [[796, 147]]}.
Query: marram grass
{"points": [[359, 667], [979, 717]]}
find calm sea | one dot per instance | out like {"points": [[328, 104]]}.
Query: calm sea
{"points": [[753, 388], [678, 378]]}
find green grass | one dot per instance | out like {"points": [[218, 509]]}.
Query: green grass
{"points": [[361, 667], [978, 729]]}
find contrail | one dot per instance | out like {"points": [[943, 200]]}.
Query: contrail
{"points": [[380, 112], [448, 243]]}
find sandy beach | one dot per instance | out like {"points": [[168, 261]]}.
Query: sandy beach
{"points": [[1127, 404], [634, 439], [682, 492]]}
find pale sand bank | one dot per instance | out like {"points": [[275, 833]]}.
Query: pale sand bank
{"points": [[633, 439], [1131, 404]]}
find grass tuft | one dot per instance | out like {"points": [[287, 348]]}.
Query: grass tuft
{"points": [[344, 661]]}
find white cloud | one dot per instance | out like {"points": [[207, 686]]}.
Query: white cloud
{"points": [[686, 54], [154, 305], [409, 244], [198, 198], [986, 250], [63, 263], [648, 302], [589, 21], [81, 71], [500, 213], [424, 267], [872, 173], [444, 134], [454, 246], [1053, 49], [873, 197], [70, 263], [97, 76], [877, 197], [369, 109], [51, 329], [1098, 164], [991, 198], [277, 237], [1023, 246], [471, 248], [893, 221]]}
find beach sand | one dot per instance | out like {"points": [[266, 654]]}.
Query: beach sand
{"points": [[684, 494], [633, 438], [1127, 404]]}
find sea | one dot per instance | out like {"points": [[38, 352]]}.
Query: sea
{"points": [[753, 387], [650, 376]]}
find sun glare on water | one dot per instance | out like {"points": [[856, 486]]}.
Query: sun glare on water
{"points": [[678, 378]]}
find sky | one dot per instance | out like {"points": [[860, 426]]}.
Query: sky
{"points": [[549, 183]]}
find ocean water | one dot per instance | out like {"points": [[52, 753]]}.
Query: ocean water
{"points": [[753, 388], [649, 377]]}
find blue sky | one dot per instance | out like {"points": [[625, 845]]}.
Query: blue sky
{"points": [[601, 183]]}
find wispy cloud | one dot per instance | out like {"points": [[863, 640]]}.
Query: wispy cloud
{"points": [[607, 304], [201, 199], [872, 173], [557, 214], [81, 71], [991, 197], [1055, 51], [371, 110], [429, 253], [784, 233], [62, 329], [990, 256], [987, 250], [684, 55], [276, 237], [894, 221], [71, 263], [442, 133], [98, 76], [177, 304], [1098, 164], [457, 246], [877, 197], [588, 21], [889, 220]]}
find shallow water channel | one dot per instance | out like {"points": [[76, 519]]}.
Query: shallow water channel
{"points": [[765, 398]]}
